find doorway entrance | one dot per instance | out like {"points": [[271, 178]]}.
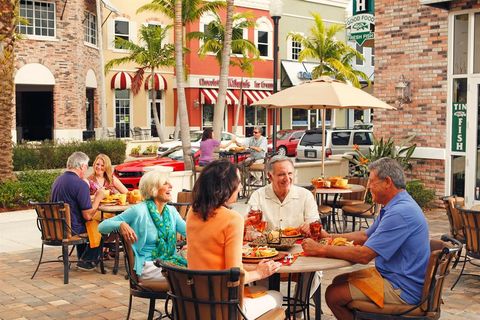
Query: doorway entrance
{"points": [[34, 113]]}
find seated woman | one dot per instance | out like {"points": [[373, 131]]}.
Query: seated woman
{"points": [[102, 176], [208, 146], [215, 233], [151, 226]]}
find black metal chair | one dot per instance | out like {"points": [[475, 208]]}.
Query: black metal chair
{"points": [[148, 289], [53, 221], [471, 231], [441, 257], [208, 294]]}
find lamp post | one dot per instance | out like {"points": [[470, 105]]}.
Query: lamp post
{"points": [[276, 7]]}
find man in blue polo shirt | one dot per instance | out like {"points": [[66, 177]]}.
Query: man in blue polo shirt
{"points": [[72, 189], [398, 240]]}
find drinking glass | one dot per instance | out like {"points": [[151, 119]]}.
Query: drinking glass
{"points": [[315, 230]]}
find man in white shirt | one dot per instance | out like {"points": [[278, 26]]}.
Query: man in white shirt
{"points": [[283, 204], [257, 144]]}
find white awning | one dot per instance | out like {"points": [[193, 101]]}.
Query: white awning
{"points": [[34, 73], [110, 6], [90, 79], [298, 72]]}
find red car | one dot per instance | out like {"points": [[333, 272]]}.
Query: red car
{"points": [[130, 172], [287, 141]]}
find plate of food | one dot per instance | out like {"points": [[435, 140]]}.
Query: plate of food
{"points": [[285, 243], [291, 232], [109, 201], [260, 252]]}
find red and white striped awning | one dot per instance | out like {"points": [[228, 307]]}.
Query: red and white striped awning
{"points": [[209, 96], [159, 81], [251, 96], [121, 80]]}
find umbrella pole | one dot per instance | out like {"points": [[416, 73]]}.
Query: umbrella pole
{"points": [[323, 143]]}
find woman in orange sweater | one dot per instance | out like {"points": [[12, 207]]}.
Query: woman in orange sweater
{"points": [[215, 233]]}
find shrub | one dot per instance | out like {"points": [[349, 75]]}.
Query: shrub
{"points": [[48, 155], [29, 186], [422, 195]]}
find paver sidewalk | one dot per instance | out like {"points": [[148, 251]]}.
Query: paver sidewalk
{"points": [[95, 296]]}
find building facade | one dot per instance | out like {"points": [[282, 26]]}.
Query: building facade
{"points": [[57, 71], [433, 47]]}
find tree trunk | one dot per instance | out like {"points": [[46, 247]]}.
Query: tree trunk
{"points": [[237, 111], [219, 112], [153, 95], [8, 11], [181, 100]]}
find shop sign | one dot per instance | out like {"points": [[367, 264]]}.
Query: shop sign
{"points": [[459, 126], [361, 26], [236, 84], [304, 75]]}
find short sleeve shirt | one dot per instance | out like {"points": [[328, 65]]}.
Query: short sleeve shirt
{"points": [[70, 189], [261, 143], [400, 238], [206, 150]]}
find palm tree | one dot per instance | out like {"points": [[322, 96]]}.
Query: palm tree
{"points": [[334, 56], [154, 54], [8, 19], [245, 63], [191, 10]]}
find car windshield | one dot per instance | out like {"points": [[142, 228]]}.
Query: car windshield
{"points": [[176, 154]]}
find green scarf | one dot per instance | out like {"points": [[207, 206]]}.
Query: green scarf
{"points": [[165, 248]]}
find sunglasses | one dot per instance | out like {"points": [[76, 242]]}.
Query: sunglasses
{"points": [[256, 131]]}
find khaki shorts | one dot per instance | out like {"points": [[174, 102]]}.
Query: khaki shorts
{"points": [[391, 296]]}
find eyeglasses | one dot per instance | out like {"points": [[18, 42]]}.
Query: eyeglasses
{"points": [[374, 183], [256, 131]]}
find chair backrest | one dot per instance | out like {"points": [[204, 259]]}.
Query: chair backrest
{"points": [[53, 220], [454, 216], [129, 264], [439, 265], [471, 231], [356, 195], [184, 202], [204, 294]]}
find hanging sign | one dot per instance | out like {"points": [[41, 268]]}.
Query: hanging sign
{"points": [[361, 26], [459, 126]]}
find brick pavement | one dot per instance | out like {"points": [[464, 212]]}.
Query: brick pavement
{"points": [[95, 296]]}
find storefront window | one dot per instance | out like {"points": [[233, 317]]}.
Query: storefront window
{"points": [[299, 118], [460, 44], [458, 175], [459, 91], [207, 115], [476, 41], [255, 117], [477, 175], [158, 97], [122, 113]]}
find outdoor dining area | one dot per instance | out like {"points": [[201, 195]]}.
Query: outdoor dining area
{"points": [[229, 249]]}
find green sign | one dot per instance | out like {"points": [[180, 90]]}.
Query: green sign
{"points": [[459, 126], [363, 6], [360, 27]]}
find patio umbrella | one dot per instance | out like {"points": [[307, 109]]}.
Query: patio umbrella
{"points": [[322, 93]]}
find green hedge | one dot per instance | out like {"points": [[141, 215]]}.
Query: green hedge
{"points": [[422, 195], [30, 185], [48, 155]]}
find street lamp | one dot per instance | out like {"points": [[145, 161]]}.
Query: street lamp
{"points": [[276, 7]]}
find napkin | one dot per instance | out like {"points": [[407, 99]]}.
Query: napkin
{"points": [[254, 292], [370, 282]]}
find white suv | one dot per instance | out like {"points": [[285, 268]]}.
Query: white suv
{"points": [[338, 141]]}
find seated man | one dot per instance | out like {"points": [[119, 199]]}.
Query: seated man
{"points": [[283, 204], [257, 144], [398, 240], [72, 189]]}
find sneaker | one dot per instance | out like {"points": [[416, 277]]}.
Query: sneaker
{"points": [[85, 266]]}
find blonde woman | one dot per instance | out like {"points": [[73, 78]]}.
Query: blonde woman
{"points": [[103, 177], [151, 226]]}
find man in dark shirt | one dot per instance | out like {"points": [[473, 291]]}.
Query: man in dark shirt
{"points": [[72, 189]]}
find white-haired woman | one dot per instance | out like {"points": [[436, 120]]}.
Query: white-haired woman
{"points": [[151, 226]]}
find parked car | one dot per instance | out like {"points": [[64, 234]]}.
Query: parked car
{"points": [[338, 141], [195, 138], [287, 141], [130, 172]]}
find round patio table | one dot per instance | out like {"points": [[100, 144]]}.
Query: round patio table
{"points": [[306, 267], [323, 193]]}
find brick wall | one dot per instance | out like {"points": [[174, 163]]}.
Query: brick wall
{"points": [[69, 59], [411, 40]]}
